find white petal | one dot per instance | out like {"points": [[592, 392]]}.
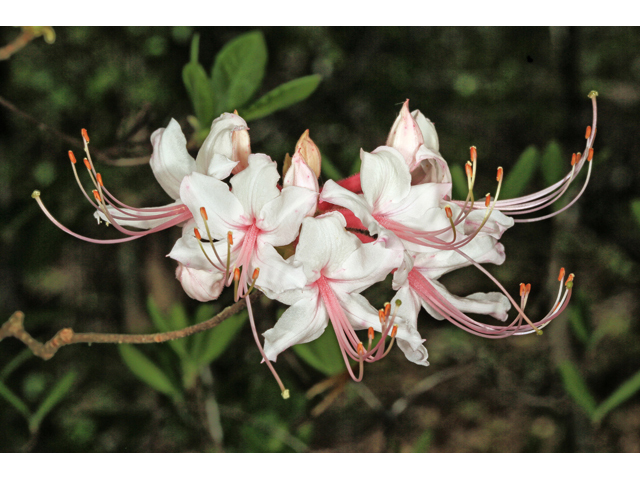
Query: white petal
{"points": [[199, 284], [370, 263], [276, 274], [170, 161], [300, 175], [302, 322], [334, 193], [223, 209], [385, 178], [428, 130], [495, 226], [187, 251], [220, 167], [324, 241], [405, 135], [219, 140], [492, 303], [256, 185], [432, 168], [280, 219]]}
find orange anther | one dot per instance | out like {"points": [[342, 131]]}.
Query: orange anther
{"points": [[474, 154], [236, 274], [590, 157], [99, 178], [256, 272], [72, 157], [574, 159], [361, 350], [487, 200], [387, 308], [85, 135], [569, 279], [370, 333], [394, 331], [468, 169], [448, 211], [96, 195], [561, 276], [521, 289], [229, 238], [527, 289], [203, 213], [196, 232], [588, 132], [499, 176], [381, 315], [87, 164]]}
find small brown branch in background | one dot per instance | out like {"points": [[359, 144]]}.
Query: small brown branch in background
{"points": [[122, 162], [18, 44], [14, 327]]}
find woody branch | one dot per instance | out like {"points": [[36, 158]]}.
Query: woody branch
{"points": [[14, 327]]}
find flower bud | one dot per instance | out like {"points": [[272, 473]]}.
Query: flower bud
{"points": [[405, 136], [310, 152]]}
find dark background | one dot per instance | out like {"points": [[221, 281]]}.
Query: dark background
{"points": [[501, 89]]}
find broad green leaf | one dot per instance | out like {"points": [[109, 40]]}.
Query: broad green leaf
{"points": [[283, 96], [57, 393], [323, 354], [576, 387], [199, 89], [517, 179], [13, 399], [423, 444], [203, 313], [238, 70], [459, 179], [624, 392], [178, 317], [635, 209], [147, 371], [577, 324], [176, 321], [553, 168], [219, 338]]}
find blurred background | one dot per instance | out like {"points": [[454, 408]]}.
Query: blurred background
{"points": [[518, 94]]}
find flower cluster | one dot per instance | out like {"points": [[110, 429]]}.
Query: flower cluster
{"points": [[316, 249]]}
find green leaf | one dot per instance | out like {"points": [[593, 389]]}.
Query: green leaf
{"points": [[176, 321], [635, 209], [460, 184], [238, 70], [13, 399], [622, 394], [18, 360], [323, 354], [552, 164], [147, 371], [283, 96], [518, 178], [219, 338], [198, 87], [56, 394], [576, 387]]}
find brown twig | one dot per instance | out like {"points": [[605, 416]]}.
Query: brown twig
{"points": [[123, 162], [18, 44], [14, 327]]}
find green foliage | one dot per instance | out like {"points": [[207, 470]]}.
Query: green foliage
{"points": [[517, 179], [238, 70], [193, 352], [283, 96], [576, 387], [236, 75], [56, 394], [459, 179], [620, 395], [147, 371], [635, 209], [553, 168], [323, 354]]}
